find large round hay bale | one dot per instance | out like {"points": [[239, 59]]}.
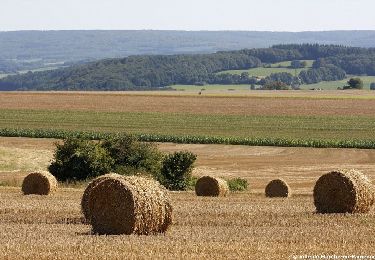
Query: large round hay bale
{"points": [[86, 194], [343, 191], [40, 183], [278, 188], [129, 205], [212, 187]]}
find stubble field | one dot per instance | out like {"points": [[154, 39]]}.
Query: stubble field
{"points": [[245, 225]]}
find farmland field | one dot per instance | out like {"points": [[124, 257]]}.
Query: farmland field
{"points": [[332, 85], [280, 67], [245, 89], [245, 225], [275, 68], [208, 88], [290, 127], [222, 116]]}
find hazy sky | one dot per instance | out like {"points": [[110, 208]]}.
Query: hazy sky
{"points": [[271, 15]]}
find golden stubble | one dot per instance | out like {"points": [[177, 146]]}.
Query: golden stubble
{"points": [[271, 103], [241, 226]]}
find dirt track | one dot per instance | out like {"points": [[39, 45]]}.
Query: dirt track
{"points": [[299, 166]]}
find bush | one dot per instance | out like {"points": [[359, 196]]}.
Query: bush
{"points": [[296, 64], [192, 182], [77, 159], [176, 170], [132, 156], [372, 86], [276, 85], [354, 83], [237, 184]]}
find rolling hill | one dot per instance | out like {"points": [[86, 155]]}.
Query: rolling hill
{"points": [[72, 46], [158, 71]]}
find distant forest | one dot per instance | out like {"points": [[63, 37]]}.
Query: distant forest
{"points": [[139, 72], [27, 50]]}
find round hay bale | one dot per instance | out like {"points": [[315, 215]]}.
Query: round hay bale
{"points": [[343, 191], [129, 205], [212, 187], [86, 194], [40, 183], [278, 188]]}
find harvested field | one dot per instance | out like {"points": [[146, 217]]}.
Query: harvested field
{"points": [[300, 167], [244, 225], [258, 103], [241, 226]]}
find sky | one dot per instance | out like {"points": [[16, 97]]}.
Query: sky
{"points": [[245, 15]]}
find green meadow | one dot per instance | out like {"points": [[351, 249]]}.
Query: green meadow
{"points": [[274, 68]]}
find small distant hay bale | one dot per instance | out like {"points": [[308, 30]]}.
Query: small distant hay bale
{"points": [[278, 188], [39, 183], [211, 187], [129, 205], [86, 195], [343, 191]]}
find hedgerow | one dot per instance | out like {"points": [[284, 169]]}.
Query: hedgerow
{"points": [[190, 139]]}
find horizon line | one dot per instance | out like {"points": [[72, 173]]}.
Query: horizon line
{"points": [[181, 30]]}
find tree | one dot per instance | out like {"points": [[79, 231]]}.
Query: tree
{"points": [[296, 64], [284, 77], [372, 86], [76, 160], [276, 85], [132, 156], [319, 63], [176, 170], [354, 83], [245, 75]]}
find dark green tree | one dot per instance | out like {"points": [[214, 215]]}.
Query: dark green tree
{"points": [[276, 85], [354, 83], [132, 156], [77, 159], [296, 64], [176, 170]]}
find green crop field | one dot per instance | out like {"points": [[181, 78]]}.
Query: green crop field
{"points": [[291, 127], [33, 70], [275, 68], [288, 64]]}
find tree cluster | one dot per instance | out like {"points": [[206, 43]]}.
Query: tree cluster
{"points": [[156, 72], [354, 83], [77, 159], [326, 73]]}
